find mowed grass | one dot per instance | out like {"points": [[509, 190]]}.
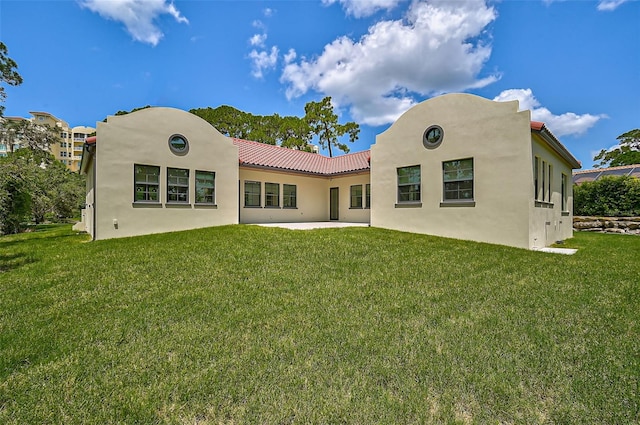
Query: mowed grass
{"points": [[244, 324]]}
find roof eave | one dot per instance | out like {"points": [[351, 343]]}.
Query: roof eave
{"points": [[555, 144], [303, 172], [88, 152]]}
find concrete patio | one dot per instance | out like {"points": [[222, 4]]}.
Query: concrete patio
{"points": [[313, 225]]}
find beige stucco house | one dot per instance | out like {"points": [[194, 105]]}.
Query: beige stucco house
{"points": [[456, 166], [465, 167], [158, 170]]}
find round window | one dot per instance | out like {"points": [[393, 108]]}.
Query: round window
{"points": [[432, 137], [178, 144]]}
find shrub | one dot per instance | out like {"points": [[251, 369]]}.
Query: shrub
{"points": [[610, 196]]}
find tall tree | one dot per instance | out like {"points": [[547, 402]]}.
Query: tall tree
{"points": [[34, 187], [27, 134], [8, 74], [15, 199], [626, 153], [323, 122], [287, 131], [294, 133]]}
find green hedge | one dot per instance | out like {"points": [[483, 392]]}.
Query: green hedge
{"points": [[610, 196]]}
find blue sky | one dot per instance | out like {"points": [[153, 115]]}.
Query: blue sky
{"points": [[575, 64]]}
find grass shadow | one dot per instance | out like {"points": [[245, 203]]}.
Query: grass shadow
{"points": [[14, 261]]}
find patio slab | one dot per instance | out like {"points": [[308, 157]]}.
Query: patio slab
{"points": [[313, 225], [565, 251]]}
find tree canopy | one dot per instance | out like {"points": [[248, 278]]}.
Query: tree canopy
{"points": [[34, 186], [8, 74], [287, 131], [626, 153], [27, 134], [323, 122]]}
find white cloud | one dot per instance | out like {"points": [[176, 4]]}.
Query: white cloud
{"points": [[290, 56], [603, 5], [268, 12], [138, 16], [568, 123], [437, 48], [258, 40], [363, 8], [263, 60], [609, 5]]}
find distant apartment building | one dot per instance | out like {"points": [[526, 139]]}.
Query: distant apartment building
{"points": [[68, 149]]}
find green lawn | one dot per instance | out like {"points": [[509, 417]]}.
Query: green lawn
{"points": [[244, 324]]}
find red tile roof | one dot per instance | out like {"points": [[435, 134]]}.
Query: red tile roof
{"points": [[261, 155], [536, 125], [554, 143]]}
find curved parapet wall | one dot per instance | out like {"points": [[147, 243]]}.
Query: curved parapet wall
{"points": [[489, 143], [145, 167]]}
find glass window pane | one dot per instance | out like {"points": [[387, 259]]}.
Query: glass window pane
{"points": [[356, 196], [205, 187], [271, 195], [409, 184], [146, 182], [457, 177], [289, 195], [177, 185], [251, 194]]}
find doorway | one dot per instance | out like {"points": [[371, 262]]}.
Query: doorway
{"points": [[334, 197]]}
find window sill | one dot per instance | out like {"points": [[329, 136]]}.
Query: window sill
{"points": [[146, 204], [544, 204], [458, 203], [202, 205], [409, 205], [290, 208], [177, 205], [566, 213], [355, 208], [252, 206], [272, 207]]}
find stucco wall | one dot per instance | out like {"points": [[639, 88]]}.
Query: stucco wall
{"points": [[498, 139], [142, 138], [88, 210], [312, 197], [344, 183], [548, 222]]}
